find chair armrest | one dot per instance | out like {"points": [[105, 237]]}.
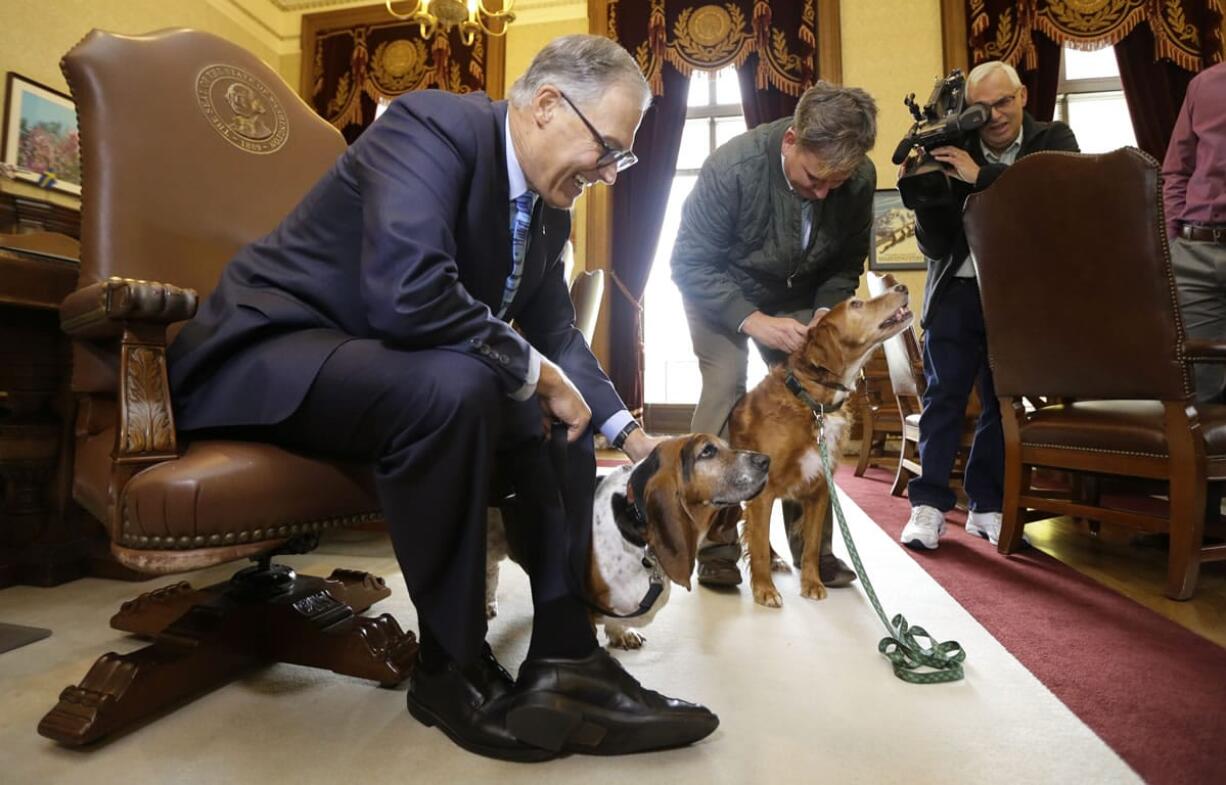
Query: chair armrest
{"points": [[1205, 351], [103, 309]]}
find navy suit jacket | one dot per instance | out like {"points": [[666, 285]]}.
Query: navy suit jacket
{"points": [[406, 240]]}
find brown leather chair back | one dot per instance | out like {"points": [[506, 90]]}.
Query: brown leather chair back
{"points": [[1078, 294], [586, 292], [191, 148]]}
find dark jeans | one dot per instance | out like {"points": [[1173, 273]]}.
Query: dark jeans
{"points": [[955, 359], [434, 424]]}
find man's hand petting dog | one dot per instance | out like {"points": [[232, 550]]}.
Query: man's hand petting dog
{"points": [[777, 332], [560, 400], [639, 444]]}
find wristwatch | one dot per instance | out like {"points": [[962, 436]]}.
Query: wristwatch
{"points": [[620, 438]]}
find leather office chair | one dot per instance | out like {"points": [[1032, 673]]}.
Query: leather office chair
{"points": [[1080, 304], [191, 148]]}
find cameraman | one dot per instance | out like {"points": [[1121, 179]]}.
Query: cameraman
{"points": [[955, 345], [775, 231]]}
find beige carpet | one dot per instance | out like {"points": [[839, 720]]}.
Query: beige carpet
{"points": [[802, 694]]}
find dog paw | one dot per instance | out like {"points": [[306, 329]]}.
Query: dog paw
{"points": [[768, 596], [491, 609], [625, 639], [813, 590], [779, 564]]}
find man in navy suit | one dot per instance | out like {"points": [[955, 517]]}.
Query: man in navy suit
{"points": [[373, 325]]}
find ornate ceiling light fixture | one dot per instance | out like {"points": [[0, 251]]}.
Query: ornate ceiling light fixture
{"points": [[470, 16]]}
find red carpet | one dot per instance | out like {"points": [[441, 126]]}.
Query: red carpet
{"points": [[1152, 690]]}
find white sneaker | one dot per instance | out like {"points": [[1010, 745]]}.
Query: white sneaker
{"points": [[924, 528], [987, 526]]}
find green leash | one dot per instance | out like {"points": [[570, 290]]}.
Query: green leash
{"points": [[942, 662]]}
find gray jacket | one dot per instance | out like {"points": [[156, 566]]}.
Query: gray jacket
{"points": [[738, 249]]}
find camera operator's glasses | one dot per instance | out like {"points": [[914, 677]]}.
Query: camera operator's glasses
{"points": [[1001, 104], [623, 158]]}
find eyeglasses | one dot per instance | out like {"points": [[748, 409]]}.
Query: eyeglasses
{"points": [[1001, 104], [624, 159]]}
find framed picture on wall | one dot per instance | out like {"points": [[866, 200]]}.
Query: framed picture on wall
{"points": [[40, 136], [893, 245]]}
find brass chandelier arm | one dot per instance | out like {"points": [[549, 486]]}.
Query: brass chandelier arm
{"points": [[479, 18]]}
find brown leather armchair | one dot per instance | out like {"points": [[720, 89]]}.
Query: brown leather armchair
{"points": [[1080, 305], [192, 148]]}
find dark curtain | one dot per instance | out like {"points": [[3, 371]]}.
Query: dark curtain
{"points": [[773, 47], [1160, 46], [762, 106], [1153, 88], [356, 64], [1043, 81], [639, 199]]}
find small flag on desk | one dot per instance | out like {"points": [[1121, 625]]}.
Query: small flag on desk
{"points": [[46, 179]]}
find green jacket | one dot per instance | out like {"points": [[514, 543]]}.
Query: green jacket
{"points": [[738, 249]]}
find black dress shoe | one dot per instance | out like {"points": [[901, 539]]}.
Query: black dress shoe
{"points": [[593, 706], [457, 701], [717, 565], [489, 676]]}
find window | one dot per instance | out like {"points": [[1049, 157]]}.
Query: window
{"points": [[1090, 98], [670, 370]]}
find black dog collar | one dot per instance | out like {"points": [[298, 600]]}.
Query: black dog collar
{"points": [[797, 389]]}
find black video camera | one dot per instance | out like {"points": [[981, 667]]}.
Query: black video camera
{"points": [[944, 120]]}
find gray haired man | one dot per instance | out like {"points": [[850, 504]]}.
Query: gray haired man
{"points": [[775, 231], [373, 326]]}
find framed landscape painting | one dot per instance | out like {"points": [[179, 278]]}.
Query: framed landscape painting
{"points": [[40, 135]]}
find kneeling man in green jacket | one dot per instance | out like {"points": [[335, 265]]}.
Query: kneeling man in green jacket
{"points": [[774, 233]]}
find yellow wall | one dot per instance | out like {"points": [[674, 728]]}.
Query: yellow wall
{"points": [[523, 42], [910, 32], [34, 34]]}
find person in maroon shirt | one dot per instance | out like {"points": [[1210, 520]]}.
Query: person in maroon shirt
{"points": [[1194, 197]]}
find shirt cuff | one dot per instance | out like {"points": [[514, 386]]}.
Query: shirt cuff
{"points": [[613, 426], [534, 375]]}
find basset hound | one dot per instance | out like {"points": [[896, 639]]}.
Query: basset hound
{"points": [[646, 525], [778, 418]]}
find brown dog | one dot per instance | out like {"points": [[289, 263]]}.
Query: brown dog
{"points": [[774, 420], [647, 521]]}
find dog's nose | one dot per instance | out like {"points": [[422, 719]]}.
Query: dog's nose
{"points": [[760, 461], [900, 288]]}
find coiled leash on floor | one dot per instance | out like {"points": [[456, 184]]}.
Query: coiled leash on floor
{"points": [[902, 647]]}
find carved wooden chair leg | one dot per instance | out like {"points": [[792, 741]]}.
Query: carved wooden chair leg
{"points": [[262, 614], [195, 654]]}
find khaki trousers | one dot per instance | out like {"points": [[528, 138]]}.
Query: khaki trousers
{"points": [[723, 361]]}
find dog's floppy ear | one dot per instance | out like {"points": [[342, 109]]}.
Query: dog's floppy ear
{"points": [[671, 531]]}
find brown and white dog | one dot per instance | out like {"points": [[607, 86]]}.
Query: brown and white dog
{"points": [[647, 521], [774, 419]]}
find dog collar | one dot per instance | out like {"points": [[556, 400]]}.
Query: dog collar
{"points": [[633, 528], [797, 389], [633, 525]]}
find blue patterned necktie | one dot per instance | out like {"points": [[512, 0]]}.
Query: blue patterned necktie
{"points": [[520, 223]]}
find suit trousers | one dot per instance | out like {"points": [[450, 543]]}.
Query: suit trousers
{"points": [[1200, 275], [723, 361], [955, 359], [436, 427]]}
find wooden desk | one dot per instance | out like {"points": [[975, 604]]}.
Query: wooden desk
{"points": [[41, 540]]}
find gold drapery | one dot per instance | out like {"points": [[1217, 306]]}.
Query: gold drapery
{"points": [[693, 36], [1186, 32]]}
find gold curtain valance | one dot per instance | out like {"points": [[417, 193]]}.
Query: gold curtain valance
{"points": [[1185, 31], [692, 36]]}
